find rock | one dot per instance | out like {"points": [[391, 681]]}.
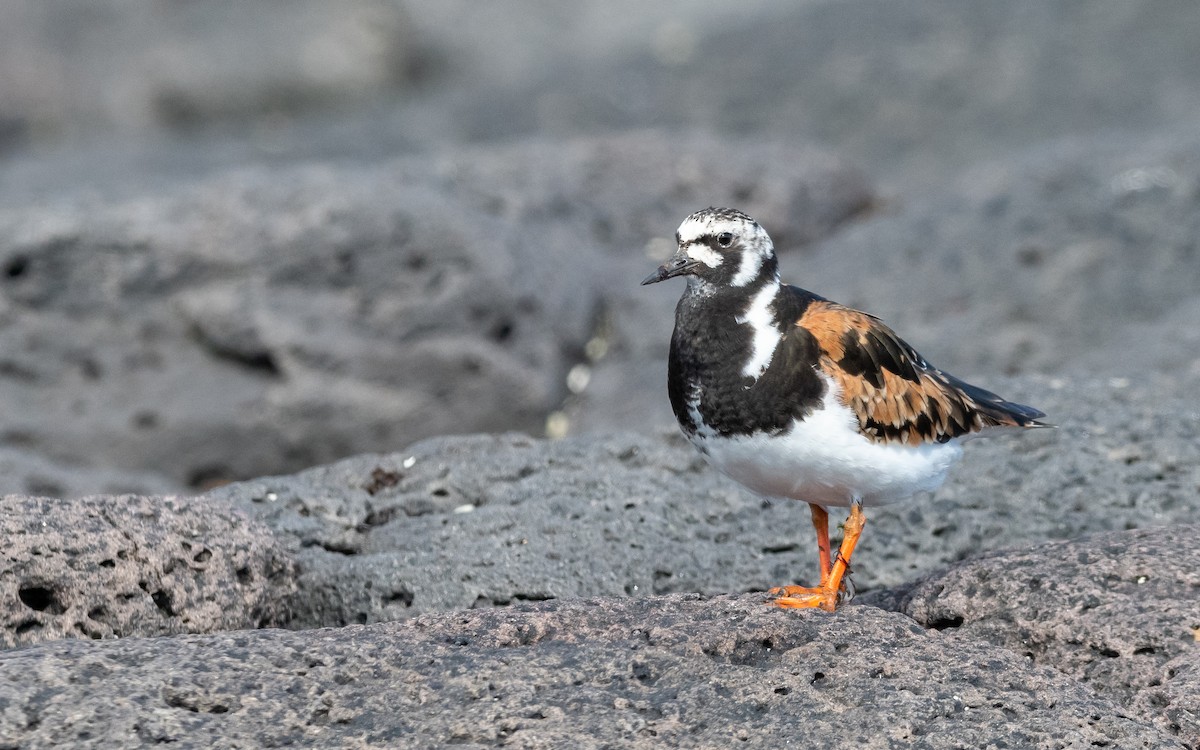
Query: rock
{"points": [[113, 567], [482, 521], [266, 320], [258, 290], [44, 477], [1171, 699], [1118, 612], [913, 89], [675, 670], [138, 66]]}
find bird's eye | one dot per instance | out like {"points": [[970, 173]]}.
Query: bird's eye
{"points": [[725, 239]]}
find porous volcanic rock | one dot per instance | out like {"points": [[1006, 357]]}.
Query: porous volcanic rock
{"points": [[120, 566], [676, 670], [1171, 697], [1118, 612], [1055, 259]]}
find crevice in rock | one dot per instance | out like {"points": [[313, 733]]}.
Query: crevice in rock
{"points": [[945, 622], [261, 361], [41, 598]]}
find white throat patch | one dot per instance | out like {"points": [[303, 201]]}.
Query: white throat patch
{"points": [[766, 335]]}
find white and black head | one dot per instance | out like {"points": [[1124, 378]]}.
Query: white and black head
{"points": [[720, 248]]}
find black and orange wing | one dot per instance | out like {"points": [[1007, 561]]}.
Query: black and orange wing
{"points": [[897, 396]]}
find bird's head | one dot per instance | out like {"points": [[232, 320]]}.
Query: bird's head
{"points": [[720, 248]]}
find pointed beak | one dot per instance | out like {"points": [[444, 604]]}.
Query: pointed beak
{"points": [[680, 265]]}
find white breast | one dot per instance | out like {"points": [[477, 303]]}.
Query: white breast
{"points": [[824, 460]]}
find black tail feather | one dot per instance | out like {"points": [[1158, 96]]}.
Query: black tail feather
{"points": [[998, 411]]}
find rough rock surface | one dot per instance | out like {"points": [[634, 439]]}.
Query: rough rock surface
{"points": [[474, 521], [1171, 698], [114, 567], [271, 319], [675, 670], [1112, 611]]}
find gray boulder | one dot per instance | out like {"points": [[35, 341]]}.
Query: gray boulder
{"points": [[482, 521], [914, 89], [1118, 612], [140, 67], [1171, 697], [676, 670], [113, 567], [43, 476]]}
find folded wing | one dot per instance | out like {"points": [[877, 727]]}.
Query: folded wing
{"points": [[897, 396]]}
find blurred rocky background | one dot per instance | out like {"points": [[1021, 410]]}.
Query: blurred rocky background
{"points": [[246, 240]]}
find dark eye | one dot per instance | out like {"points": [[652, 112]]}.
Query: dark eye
{"points": [[725, 239]]}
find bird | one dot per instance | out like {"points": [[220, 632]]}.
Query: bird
{"points": [[795, 396]]}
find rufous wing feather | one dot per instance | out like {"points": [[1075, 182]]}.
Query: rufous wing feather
{"points": [[897, 396]]}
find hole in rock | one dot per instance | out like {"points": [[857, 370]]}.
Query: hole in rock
{"points": [[403, 596], [16, 266], [776, 549], [502, 331], [144, 420], [946, 622], [41, 598], [162, 600], [536, 596]]}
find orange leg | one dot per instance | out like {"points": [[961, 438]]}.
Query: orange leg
{"points": [[820, 522], [826, 595]]}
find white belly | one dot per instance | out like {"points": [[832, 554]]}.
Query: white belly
{"points": [[824, 460]]}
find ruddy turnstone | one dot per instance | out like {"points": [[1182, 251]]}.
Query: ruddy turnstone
{"points": [[795, 396]]}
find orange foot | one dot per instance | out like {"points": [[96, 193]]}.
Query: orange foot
{"points": [[833, 577], [800, 597]]}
